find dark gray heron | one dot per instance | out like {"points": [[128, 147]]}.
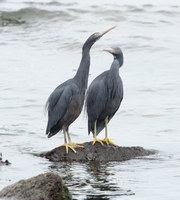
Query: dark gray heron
{"points": [[104, 97], [65, 103]]}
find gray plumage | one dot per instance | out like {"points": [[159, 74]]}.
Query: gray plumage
{"points": [[64, 106], [105, 94], [65, 103]]}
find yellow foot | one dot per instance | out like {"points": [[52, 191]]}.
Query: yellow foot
{"points": [[77, 145], [96, 140], [70, 145], [107, 141]]}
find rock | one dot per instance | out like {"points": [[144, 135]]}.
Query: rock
{"points": [[96, 152], [48, 186], [6, 162]]}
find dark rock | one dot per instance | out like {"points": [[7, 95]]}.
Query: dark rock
{"points": [[6, 162], [48, 186], [96, 152]]}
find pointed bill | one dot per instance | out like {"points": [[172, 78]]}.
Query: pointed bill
{"points": [[109, 50], [104, 32]]}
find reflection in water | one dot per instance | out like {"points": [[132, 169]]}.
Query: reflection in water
{"points": [[92, 180], [97, 197]]}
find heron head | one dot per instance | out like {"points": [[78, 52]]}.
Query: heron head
{"points": [[96, 36], [117, 53]]}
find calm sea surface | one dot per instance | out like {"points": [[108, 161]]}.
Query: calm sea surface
{"points": [[40, 47]]}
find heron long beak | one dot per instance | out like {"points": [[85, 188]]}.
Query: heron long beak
{"points": [[110, 50], [104, 32]]}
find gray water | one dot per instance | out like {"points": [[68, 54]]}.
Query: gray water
{"points": [[40, 47]]}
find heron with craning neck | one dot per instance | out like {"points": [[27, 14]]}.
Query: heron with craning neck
{"points": [[104, 97]]}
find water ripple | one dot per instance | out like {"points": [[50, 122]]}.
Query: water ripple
{"points": [[93, 182], [30, 14]]}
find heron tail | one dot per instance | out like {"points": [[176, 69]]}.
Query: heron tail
{"points": [[52, 131], [100, 126]]}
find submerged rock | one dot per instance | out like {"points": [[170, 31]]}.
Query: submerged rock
{"points": [[6, 162], [48, 186], [96, 152]]}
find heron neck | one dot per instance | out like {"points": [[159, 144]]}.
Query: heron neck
{"points": [[82, 73], [120, 59], [114, 68]]}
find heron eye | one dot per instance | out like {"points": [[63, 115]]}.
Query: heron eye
{"points": [[96, 34]]}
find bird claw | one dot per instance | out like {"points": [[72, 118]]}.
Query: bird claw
{"points": [[69, 146], [107, 141], [77, 145], [96, 140]]}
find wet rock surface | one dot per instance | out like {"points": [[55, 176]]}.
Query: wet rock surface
{"points": [[48, 186], [96, 152]]}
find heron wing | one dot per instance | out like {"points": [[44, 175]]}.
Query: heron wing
{"points": [[113, 103], [57, 104], [115, 96], [96, 99]]}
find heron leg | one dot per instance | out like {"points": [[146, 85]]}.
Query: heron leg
{"points": [[65, 139], [106, 139], [74, 145], [95, 134], [69, 138], [67, 145]]}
